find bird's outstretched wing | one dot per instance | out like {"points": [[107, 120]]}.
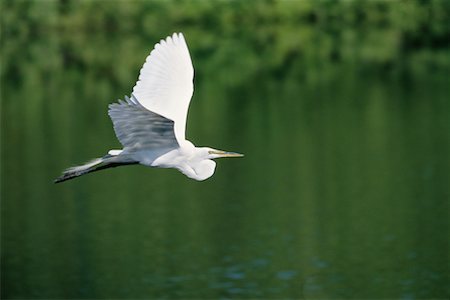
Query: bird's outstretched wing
{"points": [[165, 84], [138, 128]]}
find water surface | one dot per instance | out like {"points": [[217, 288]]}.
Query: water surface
{"points": [[343, 192]]}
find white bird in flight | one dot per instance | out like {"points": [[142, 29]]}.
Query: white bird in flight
{"points": [[151, 123]]}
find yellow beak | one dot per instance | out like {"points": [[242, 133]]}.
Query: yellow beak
{"points": [[221, 153]]}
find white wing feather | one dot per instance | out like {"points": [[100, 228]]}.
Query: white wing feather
{"points": [[165, 84]]}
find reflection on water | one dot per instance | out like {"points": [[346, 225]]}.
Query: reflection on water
{"points": [[343, 192]]}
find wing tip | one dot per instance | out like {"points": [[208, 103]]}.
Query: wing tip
{"points": [[129, 101], [176, 38]]}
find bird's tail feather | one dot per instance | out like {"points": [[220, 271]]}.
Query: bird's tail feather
{"points": [[108, 161]]}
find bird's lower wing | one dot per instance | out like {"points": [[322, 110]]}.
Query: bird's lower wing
{"points": [[138, 128]]}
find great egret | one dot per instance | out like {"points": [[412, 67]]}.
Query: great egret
{"points": [[151, 123]]}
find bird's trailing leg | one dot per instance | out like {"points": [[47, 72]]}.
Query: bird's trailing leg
{"points": [[107, 161]]}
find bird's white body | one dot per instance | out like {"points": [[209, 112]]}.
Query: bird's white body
{"points": [[151, 124], [189, 160], [186, 159]]}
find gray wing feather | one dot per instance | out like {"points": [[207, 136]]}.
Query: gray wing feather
{"points": [[139, 128]]}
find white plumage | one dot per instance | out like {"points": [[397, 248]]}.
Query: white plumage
{"points": [[151, 123], [165, 84]]}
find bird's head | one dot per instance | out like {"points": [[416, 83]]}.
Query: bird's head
{"points": [[211, 153], [202, 166]]}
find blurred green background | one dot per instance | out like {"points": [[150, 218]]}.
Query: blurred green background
{"points": [[341, 107]]}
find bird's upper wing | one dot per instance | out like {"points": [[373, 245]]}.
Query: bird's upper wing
{"points": [[165, 84], [138, 128]]}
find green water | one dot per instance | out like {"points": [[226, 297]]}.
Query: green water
{"points": [[343, 191]]}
